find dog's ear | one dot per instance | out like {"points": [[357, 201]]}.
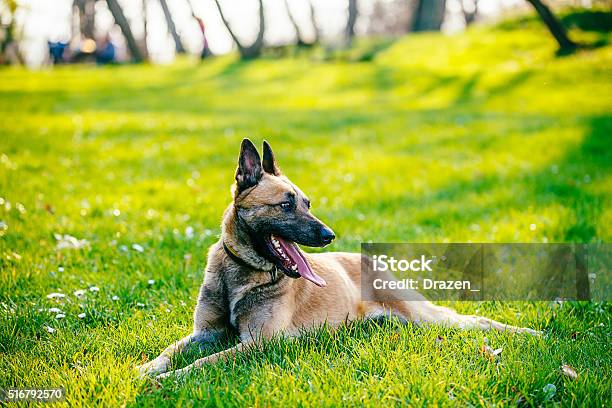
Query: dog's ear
{"points": [[269, 163], [249, 170]]}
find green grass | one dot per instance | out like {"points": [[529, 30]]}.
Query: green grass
{"points": [[468, 138]]}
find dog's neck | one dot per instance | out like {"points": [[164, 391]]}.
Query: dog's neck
{"points": [[240, 243]]}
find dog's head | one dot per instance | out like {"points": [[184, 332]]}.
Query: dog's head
{"points": [[276, 213]]}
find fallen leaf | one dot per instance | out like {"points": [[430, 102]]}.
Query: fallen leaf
{"points": [[489, 352], [569, 371]]}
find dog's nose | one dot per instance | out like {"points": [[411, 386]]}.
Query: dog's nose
{"points": [[327, 235]]}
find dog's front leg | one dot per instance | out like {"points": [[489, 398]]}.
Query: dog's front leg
{"points": [[241, 347], [162, 362]]}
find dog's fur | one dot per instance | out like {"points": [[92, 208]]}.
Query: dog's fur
{"points": [[249, 293]]}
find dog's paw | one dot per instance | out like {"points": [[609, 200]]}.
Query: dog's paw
{"points": [[171, 374], [153, 368]]}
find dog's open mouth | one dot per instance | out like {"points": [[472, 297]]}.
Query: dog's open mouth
{"points": [[289, 257]]}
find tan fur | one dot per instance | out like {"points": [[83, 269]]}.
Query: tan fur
{"points": [[287, 306]]}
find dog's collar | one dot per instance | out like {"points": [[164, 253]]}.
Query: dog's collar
{"points": [[275, 274], [234, 256]]}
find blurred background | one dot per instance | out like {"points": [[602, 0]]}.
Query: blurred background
{"points": [[41, 32]]}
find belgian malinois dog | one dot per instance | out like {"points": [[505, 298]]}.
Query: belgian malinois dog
{"points": [[258, 283]]}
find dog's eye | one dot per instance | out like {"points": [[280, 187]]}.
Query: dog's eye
{"points": [[285, 205], [307, 203]]}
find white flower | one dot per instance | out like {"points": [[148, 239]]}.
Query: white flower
{"points": [[50, 329], [151, 282], [137, 247], [79, 293], [69, 242], [81, 315], [140, 304], [60, 269], [115, 297], [54, 310], [60, 316], [55, 295], [94, 289], [189, 232]]}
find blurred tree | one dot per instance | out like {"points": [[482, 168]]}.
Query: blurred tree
{"points": [[315, 25], [554, 26], [428, 15], [253, 50], [389, 17], [469, 10], [124, 25], [172, 28], [350, 21], [205, 49], [9, 45], [296, 27], [145, 29], [87, 17]]}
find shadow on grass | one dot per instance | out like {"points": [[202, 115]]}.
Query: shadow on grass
{"points": [[587, 163]]}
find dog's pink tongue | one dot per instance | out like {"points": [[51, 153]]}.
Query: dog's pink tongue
{"points": [[296, 256]]}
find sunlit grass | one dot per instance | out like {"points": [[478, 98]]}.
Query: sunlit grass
{"points": [[482, 137]]}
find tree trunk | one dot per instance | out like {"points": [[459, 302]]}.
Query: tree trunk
{"points": [[87, 17], [350, 22], [9, 46], [429, 15], [172, 28], [554, 26], [117, 12], [469, 15], [145, 29], [253, 50], [313, 21], [205, 53], [296, 27]]}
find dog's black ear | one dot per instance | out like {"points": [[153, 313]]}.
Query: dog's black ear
{"points": [[249, 170], [269, 163]]}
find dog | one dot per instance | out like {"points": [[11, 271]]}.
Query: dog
{"points": [[258, 283]]}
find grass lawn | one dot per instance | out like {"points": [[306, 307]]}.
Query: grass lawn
{"points": [[484, 137]]}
